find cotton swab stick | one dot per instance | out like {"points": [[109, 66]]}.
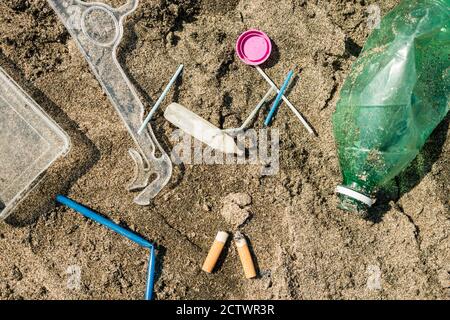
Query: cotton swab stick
{"points": [[254, 47], [277, 101], [160, 100], [293, 109], [247, 122], [263, 100]]}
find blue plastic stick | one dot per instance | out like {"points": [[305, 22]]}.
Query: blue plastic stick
{"points": [[88, 213], [151, 274], [277, 101], [160, 100]]}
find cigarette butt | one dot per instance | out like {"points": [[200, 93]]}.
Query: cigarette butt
{"points": [[245, 255], [215, 251]]}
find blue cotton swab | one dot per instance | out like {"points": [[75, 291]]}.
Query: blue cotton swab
{"points": [[277, 101], [289, 104], [160, 100]]}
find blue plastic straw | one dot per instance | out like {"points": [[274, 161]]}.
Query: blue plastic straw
{"points": [[160, 100], [277, 101], [88, 213], [151, 275]]}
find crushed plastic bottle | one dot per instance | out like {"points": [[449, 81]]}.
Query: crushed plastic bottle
{"points": [[395, 96]]}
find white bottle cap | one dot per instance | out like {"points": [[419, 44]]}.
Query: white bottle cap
{"points": [[355, 195]]}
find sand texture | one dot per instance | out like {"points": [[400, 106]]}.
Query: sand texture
{"points": [[304, 247]]}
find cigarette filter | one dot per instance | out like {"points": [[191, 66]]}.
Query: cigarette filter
{"points": [[245, 255], [215, 251]]}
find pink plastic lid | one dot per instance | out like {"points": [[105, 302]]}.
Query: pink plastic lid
{"points": [[253, 47]]}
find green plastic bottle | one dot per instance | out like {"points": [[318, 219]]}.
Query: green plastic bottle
{"points": [[395, 96]]}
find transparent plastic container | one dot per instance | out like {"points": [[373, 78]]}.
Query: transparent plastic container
{"points": [[30, 141]]}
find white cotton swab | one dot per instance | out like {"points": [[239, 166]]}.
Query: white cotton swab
{"points": [[293, 109], [160, 100], [235, 131]]}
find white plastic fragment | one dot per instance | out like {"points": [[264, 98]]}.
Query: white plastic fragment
{"points": [[201, 129]]}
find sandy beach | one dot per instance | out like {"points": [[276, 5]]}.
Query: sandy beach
{"points": [[303, 246]]}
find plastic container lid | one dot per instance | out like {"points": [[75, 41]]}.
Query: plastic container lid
{"points": [[30, 142], [253, 47]]}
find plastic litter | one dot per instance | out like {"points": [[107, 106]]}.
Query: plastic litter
{"points": [[394, 97], [98, 30], [277, 101], [201, 129], [161, 98], [30, 141], [254, 47], [88, 213], [236, 131]]}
